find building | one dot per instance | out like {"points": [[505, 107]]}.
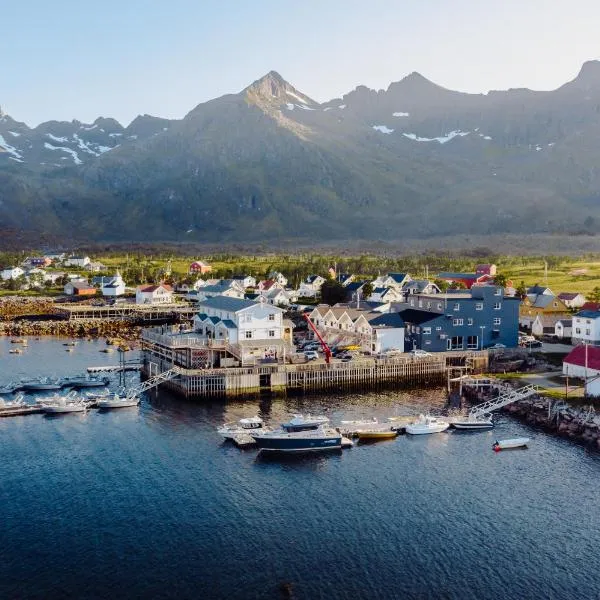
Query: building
{"points": [[390, 294], [115, 286], [53, 276], [540, 304], [77, 261], [594, 306], [245, 281], [38, 261], [539, 290], [96, 267], [11, 273], [468, 280], [199, 266], [279, 278], [563, 329], [225, 287], [391, 280], [79, 288], [344, 278], [469, 320], [546, 325], [55, 256], [420, 286], [485, 269], [586, 327], [256, 330], [311, 286], [154, 294], [572, 299], [583, 361]]}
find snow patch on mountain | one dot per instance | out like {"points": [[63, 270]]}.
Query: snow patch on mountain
{"points": [[290, 106], [304, 107], [301, 100], [400, 114], [14, 133], [442, 139], [54, 138], [383, 129], [342, 106], [86, 128], [8, 148], [74, 154]]}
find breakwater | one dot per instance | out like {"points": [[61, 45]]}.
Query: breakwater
{"points": [[578, 423], [80, 329]]}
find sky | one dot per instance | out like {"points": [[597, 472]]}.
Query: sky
{"points": [[67, 59]]}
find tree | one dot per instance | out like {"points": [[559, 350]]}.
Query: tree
{"points": [[457, 285], [367, 290], [442, 284], [594, 295], [332, 292], [521, 290], [500, 279]]}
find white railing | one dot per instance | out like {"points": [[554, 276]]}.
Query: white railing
{"points": [[503, 400]]}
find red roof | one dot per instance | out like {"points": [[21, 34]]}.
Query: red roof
{"points": [[577, 357], [591, 306], [153, 288]]}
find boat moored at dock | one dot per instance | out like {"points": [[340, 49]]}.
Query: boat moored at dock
{"points": [[41, 385], [63, 405], [116, 401], [85, 382], [305, 422], [426, 424], [244, 426], [472, 424], [318, 439], [374, 434]]}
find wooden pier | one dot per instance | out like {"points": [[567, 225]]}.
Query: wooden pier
{"points": [[364, 373], [135, 313]]}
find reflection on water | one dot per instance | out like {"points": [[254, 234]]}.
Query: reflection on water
{"points": [[149, 502]]}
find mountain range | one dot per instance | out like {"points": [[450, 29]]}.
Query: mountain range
{"points": [[269, 163]]}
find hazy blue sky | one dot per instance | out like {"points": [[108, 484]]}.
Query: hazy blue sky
{"points": [[77, 59]]}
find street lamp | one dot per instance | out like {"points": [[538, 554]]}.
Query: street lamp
{"points": [[482, 327]]}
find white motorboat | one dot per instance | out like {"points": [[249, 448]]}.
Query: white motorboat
{"points": [[510, 444], [426, 424], [243, 426], [361, 423], [116, 401], [305, 422], [7, 406], [63, 404], [470, 424]]}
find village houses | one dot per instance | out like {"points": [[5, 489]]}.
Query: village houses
{"points": [[572, 299], [11, 273], [77, 261], [79, 287], [115, 286], [154, 294], [586, 327], [199, 266]]}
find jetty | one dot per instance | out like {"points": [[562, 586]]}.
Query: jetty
{"points": [[133, 313], [192, 360]]}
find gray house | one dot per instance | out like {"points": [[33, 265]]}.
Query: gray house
{"points": [[472, 320]]}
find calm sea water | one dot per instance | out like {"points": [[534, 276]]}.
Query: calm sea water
{"points": [[149, 503]]}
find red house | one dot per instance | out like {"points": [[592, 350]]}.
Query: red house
{"points": [[485, 270], [199, 266], [467, 279]]}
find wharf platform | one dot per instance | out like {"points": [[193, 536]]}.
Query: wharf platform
{"points": [[135, 313]]}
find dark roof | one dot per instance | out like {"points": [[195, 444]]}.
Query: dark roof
{"points": [[229, 324], [251, 296], [225, 303], [449, 275], [568, 295], [537, 289], [341, 277], [566, 322], [416, 317], [215, 320], [355, 286], [418, 284], [202, 316], [81, 285], [543, 300], [398, 277], [588, 314], [311, 278], [386, 320]]}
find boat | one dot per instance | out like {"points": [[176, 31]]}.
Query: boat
{"points": [[243, 426], [107, 350], [19, 341], [7, 406], [359, 423], [304, 422], [15, 351], [116, 401], [510, 444], [426, 424], [376, 434], [470, 424], [63, 404], [72, 343], [85, 382], [318, 439], [41, 385]]}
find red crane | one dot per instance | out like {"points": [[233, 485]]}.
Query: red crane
{"points": [[326, 350]]}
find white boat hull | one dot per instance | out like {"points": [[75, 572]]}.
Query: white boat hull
{"points": [[117, 403], [64, 409], [510, 444], [472, 425], [416, 429]]}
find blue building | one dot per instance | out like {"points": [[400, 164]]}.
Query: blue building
{"points": [[471, 320]]}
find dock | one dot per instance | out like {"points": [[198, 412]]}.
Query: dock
{"points": [[115, 368], [243, 440], [22, 410], [134, 313]]}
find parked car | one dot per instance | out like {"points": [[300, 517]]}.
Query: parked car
{"points": [[497, 346], [311, 354], [418, 353]]}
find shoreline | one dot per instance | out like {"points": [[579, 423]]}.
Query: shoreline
{"points": [[80, 329]]}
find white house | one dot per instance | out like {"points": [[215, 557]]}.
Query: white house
{"points": [[77, 261], [395, 280], [583, 361], [386, 294], [586, 327], [311, 286], [246, 281], [256, 329], [572, 299], [114, 287], [280, 278], [277, 297], [154, 294], [546, 324], [563, 329], [53, 276], [420, 286], [96, 267], [226, 287], [11, 273]]}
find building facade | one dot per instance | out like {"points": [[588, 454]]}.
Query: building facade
{"points": [[586, 327]]}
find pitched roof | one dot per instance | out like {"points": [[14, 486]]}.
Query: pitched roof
{"points": [[153, 288], [566, 322], [355, 286], [450, 275], [385, 320], [416, 317], [398, 277], [577, 356], [588, 314], [591, 306], [568, 295], [538, 289], [228, 304], [543, 300], [81, 285]]}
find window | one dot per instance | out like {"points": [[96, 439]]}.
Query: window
{"points": [[498, 292], [438, 328], [457, 322], [555, 304], [420, 303], [472, 342], [577, 330], [271, 333], [439, 306], [479, 306], [457, 306], [429, 305], [412, 302], [427, 342], [248, 335], [497, 306], [497, 320], [587, 332], [271, 317], [426, 330], [456, 343], [469, 321]]}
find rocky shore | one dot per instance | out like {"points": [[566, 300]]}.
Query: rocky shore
{"points": [[578, 423], [84, 329]]}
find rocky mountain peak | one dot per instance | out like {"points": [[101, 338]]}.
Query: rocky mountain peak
{"points": [[272, 88], [588, 77]]}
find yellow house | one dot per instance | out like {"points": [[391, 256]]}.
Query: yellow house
{"points": [[541, 304]]}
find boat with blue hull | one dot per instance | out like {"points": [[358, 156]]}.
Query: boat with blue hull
{"points": [[318, 440]]}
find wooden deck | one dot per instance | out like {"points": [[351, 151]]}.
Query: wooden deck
{"points": [[126, 312]]}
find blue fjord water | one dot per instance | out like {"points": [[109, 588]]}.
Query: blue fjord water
{"points": [[149, 503]]}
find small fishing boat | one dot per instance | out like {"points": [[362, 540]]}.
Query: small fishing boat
{"points": [[360, 423], [304, 422], [85, 382], [62, 405], [510, 444], [22, 341], [41, 385], [376, 434], [469, 424], [107, 350], [319, 439], [15, 351], [8, 406], [116, 401], [71, 343], [426, 424], [243, 426]]}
